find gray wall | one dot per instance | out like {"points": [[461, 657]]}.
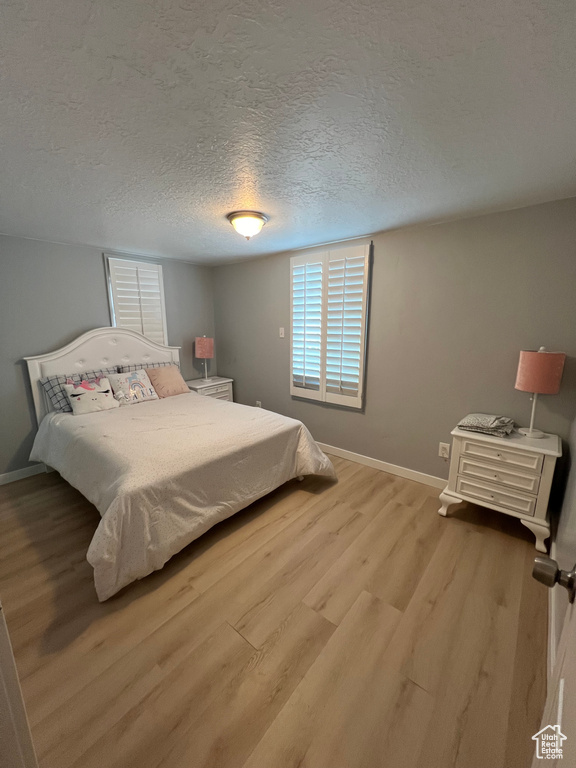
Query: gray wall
{"points": [[452, 306], [49, 294]]}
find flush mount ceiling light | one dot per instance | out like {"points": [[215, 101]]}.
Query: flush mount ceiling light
{"points": [[247, 223]]}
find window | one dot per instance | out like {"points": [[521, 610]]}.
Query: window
{"points": [[137, 297], [329, 297]]}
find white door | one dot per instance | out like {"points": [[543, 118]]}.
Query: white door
{"points": [[560, 706], [560, 709], [16, 749]]}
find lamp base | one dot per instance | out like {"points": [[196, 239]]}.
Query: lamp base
{"points": [[533, 434]]}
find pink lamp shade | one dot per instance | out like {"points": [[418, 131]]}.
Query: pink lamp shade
{"points": [[204, 348], [540, 372]]}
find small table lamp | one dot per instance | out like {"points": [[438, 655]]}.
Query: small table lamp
{"points": [[204, 350], [540, 373]]}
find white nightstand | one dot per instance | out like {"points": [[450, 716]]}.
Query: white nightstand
{"points": [[217, 387], [512, 475]]}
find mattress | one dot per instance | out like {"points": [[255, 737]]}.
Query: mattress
{"points": [[163, 472]]}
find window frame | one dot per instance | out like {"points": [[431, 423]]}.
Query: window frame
{"points": [[333, 253], [143, 261]]}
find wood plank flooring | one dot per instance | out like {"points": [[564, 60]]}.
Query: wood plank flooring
{"points": [[329, 625]]}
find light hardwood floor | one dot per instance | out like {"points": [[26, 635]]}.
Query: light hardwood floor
{"points": [[327, 626]]}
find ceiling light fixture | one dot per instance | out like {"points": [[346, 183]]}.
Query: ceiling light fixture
{"points": [[247, 223]]}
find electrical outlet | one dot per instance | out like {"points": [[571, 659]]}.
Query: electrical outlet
{"points": [[258, 403], [444, 450], [281, 333]]}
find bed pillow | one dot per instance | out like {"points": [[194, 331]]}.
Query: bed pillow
{"points": [[167, 381], [54, 386], [90, 396], [143, 366], [134, 387]]}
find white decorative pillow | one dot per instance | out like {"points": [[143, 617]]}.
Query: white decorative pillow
{"points": [[133, 387], [54, 386], [90, 396]]}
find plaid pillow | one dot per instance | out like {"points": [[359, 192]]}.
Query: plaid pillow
{"points": [[143, 366], [54, 386]]}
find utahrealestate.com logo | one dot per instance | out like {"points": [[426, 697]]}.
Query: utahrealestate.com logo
{"points": [[549, 742]]}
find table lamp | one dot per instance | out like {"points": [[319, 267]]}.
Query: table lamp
{"points": [[539, 373], [204, 350]]}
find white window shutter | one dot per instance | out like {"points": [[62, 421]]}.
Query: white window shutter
{"points": [[329, 310], [346, 324], [137, 292], [307, 296]]}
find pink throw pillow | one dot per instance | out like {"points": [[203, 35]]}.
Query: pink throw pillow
{"points": [[167, 381]]}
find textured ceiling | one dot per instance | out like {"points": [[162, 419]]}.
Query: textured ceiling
{"points": [[138, 125]]}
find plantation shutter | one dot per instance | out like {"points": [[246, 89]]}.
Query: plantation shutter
{"points": [[329, 314], [307, 324], [137, 293], [345, 321]]}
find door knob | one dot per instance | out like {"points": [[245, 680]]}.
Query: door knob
{"points": [[546, 571]]}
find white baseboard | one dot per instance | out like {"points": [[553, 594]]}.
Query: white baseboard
{"points": [[19, 474], [383, 466]]}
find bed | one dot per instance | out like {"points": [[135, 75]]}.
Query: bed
{"points": [[163, 472]]}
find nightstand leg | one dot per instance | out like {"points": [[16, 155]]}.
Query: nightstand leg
{"points": [[541, 533], [447, 501]]}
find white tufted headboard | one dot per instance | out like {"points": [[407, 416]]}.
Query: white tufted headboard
{"points": [[100, 348]]}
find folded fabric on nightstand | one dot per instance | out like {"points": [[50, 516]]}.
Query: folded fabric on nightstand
{"points": [[499, 426]]}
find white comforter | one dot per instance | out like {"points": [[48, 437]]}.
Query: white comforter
{"points": [[161, 473]]}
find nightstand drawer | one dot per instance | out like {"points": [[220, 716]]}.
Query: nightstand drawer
{"points": [[215, 390], [520, 459], [500, 474], [491, 494], [218, 388]]}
